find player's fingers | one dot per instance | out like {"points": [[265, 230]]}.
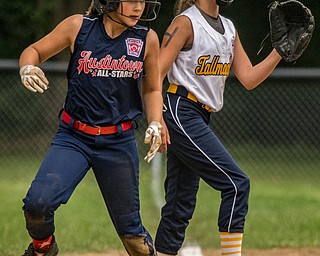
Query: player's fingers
{"points": [[154, 147], [30, 88], [26, 84], [148, 136], [33, 83], [44, 81], [34, 78], [156, 143], [150, 155], [41, 82], [165, 138]]}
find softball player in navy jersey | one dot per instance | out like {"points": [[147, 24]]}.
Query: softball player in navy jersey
{"points": [[113, 61], [198, 50]]}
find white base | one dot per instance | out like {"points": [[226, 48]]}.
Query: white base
{"points": [[191, 251]]}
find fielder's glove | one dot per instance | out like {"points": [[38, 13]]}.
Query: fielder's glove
{"points": [[153, 137], [33, 78], [291, 28]]}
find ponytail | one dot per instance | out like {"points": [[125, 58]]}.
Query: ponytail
{"points": [[91, 10], [182, 5]]}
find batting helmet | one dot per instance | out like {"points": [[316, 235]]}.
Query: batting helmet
{"points": [[151, 10], [224, 2]]}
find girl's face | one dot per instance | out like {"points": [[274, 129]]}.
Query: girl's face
{"points": [[131, 11]]}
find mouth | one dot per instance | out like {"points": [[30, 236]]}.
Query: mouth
{"points": [[134, 17]]}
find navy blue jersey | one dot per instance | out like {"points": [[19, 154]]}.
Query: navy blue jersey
{"points": [[104, 74]]}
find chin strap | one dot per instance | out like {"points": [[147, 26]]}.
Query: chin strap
{"points": [[125, 25], [121, 23]]}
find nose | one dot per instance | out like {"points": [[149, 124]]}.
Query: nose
{"points": [[139, 5]]}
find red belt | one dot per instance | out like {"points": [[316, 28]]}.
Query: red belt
{"points": [[95, 130]]}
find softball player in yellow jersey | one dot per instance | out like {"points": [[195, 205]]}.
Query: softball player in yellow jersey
{"points": [[199, 49]]}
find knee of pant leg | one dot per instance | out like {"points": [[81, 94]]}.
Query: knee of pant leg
{"points": [[39, 219], [35, 207], [245, 185], [42, 197], [36, 211], [138, 245]]}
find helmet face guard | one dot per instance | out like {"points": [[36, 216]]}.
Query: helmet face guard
{"points": [[150, 13], [224, 2]]}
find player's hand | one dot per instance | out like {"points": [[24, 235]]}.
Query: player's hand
{"points": [[165, 137], [33, 78], [153, 137]]}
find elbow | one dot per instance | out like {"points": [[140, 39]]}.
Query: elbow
{"points": [[248, 81], [251, 82], [249, 85]]}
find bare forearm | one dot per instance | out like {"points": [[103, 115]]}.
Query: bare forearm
{"points": [[258, 73], [29, 56], [153, 106]]}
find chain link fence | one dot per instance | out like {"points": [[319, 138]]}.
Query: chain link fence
{"points": [[273, 132]]}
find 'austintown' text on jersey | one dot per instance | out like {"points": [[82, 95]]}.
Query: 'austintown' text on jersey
{"points": [[117, 67]]}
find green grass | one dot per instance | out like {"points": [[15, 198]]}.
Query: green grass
{"points": [[281, 214]]}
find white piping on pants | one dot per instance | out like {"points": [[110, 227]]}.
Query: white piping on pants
{"points": [[177, 121]]}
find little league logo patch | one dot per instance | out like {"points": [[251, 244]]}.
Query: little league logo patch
{"points": [[134, 46]]}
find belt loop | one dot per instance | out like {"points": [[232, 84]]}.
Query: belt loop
{"points": [[119, 130], [71, 124], [135, 124]]}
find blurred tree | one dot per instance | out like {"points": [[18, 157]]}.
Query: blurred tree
{"points": [[23, 22]]}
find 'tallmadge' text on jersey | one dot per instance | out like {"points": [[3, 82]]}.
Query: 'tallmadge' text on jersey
{"points": [[204, 68], [105, 73], [213, 68]]}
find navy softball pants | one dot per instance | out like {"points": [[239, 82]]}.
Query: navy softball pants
{"points": [[114, 161], [195, 152]]}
